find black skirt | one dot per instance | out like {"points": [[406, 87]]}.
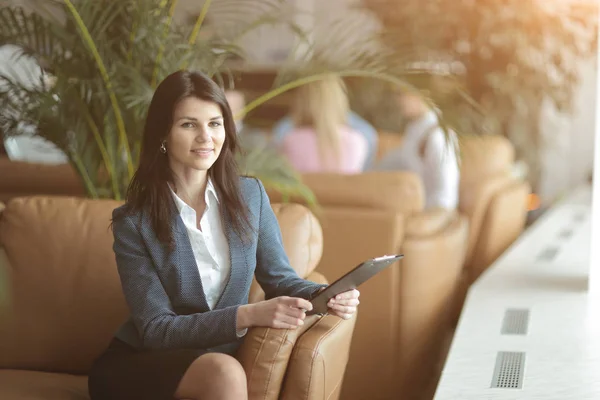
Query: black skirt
{"points": [[124, 373]]}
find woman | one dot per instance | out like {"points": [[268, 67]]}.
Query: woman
{"points": [[426, 151], [188, 242], [321, 140]]}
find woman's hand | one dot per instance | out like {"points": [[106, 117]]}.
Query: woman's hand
{"points": [[344, 304], [281, 313]]}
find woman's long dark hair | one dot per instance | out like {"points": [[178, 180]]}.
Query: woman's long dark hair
{"points": [[148, 191]]}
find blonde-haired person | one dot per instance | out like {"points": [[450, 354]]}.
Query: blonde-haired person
{"points": [[321, 140]]}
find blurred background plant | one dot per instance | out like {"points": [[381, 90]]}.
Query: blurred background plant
{"points": [[100, 61], [510, 56]]}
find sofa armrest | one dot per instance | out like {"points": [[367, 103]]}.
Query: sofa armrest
{"points": [[318, 363], [429, 222], [504, 221], [265, 355], [474, 203]]}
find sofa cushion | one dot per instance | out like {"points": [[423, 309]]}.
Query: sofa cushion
{"points": [[386, 190], [32, 385], [66, 300]]}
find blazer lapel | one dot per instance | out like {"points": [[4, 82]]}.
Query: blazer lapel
{"points": [[191, 284], [238, 275]]}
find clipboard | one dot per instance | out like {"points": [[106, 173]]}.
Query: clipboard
{"points": [[351, 280]]}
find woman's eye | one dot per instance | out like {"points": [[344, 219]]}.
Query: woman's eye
{"points": [[187, 125], [214, 124]]}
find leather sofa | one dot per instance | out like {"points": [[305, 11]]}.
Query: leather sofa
{"points": [[64, 302], [405, 310]]}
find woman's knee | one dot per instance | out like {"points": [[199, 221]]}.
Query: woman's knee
{"points": [[222, 367], [214, 374]]}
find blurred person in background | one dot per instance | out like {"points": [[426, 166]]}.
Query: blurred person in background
{"points": [[354, 121], [248, 137], [321, 140], [427, 151]]}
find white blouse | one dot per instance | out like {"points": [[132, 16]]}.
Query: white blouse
{"points": [[210, 246]]}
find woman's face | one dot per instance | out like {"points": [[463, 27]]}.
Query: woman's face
{"points": [[196, 136]]}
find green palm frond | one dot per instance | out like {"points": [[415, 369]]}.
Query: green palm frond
{"points": [[198, 23], [86, 36]]}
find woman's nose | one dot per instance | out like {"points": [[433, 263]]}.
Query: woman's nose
{"points": [[203, 135]]}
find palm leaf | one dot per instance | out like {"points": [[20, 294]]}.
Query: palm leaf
{"points": [[199, 21], [87, 38]]}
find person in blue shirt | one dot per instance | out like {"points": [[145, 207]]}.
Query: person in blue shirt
{"points": [[285, 125]]}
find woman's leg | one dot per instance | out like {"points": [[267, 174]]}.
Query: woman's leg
{"points": [[213, 376]]}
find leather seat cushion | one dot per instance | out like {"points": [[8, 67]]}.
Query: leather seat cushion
{"points": [[60, 250], [33, 385]]}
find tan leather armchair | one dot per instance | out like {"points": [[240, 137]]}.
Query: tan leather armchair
{"points": [[494, 201], [404, 311], [64, 302]]}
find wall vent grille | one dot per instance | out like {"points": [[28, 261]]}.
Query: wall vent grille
{"points": [[508, 373], [548, 254], [515, 322], [565, 233], [579, 217]]}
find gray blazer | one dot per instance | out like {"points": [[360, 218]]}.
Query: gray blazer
{"points": [[164, 291]]}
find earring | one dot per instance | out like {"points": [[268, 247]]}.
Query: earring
{"points": [[163, 148]]}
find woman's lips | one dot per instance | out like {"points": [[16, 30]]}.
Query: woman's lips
{"points": [[202, 152]]}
